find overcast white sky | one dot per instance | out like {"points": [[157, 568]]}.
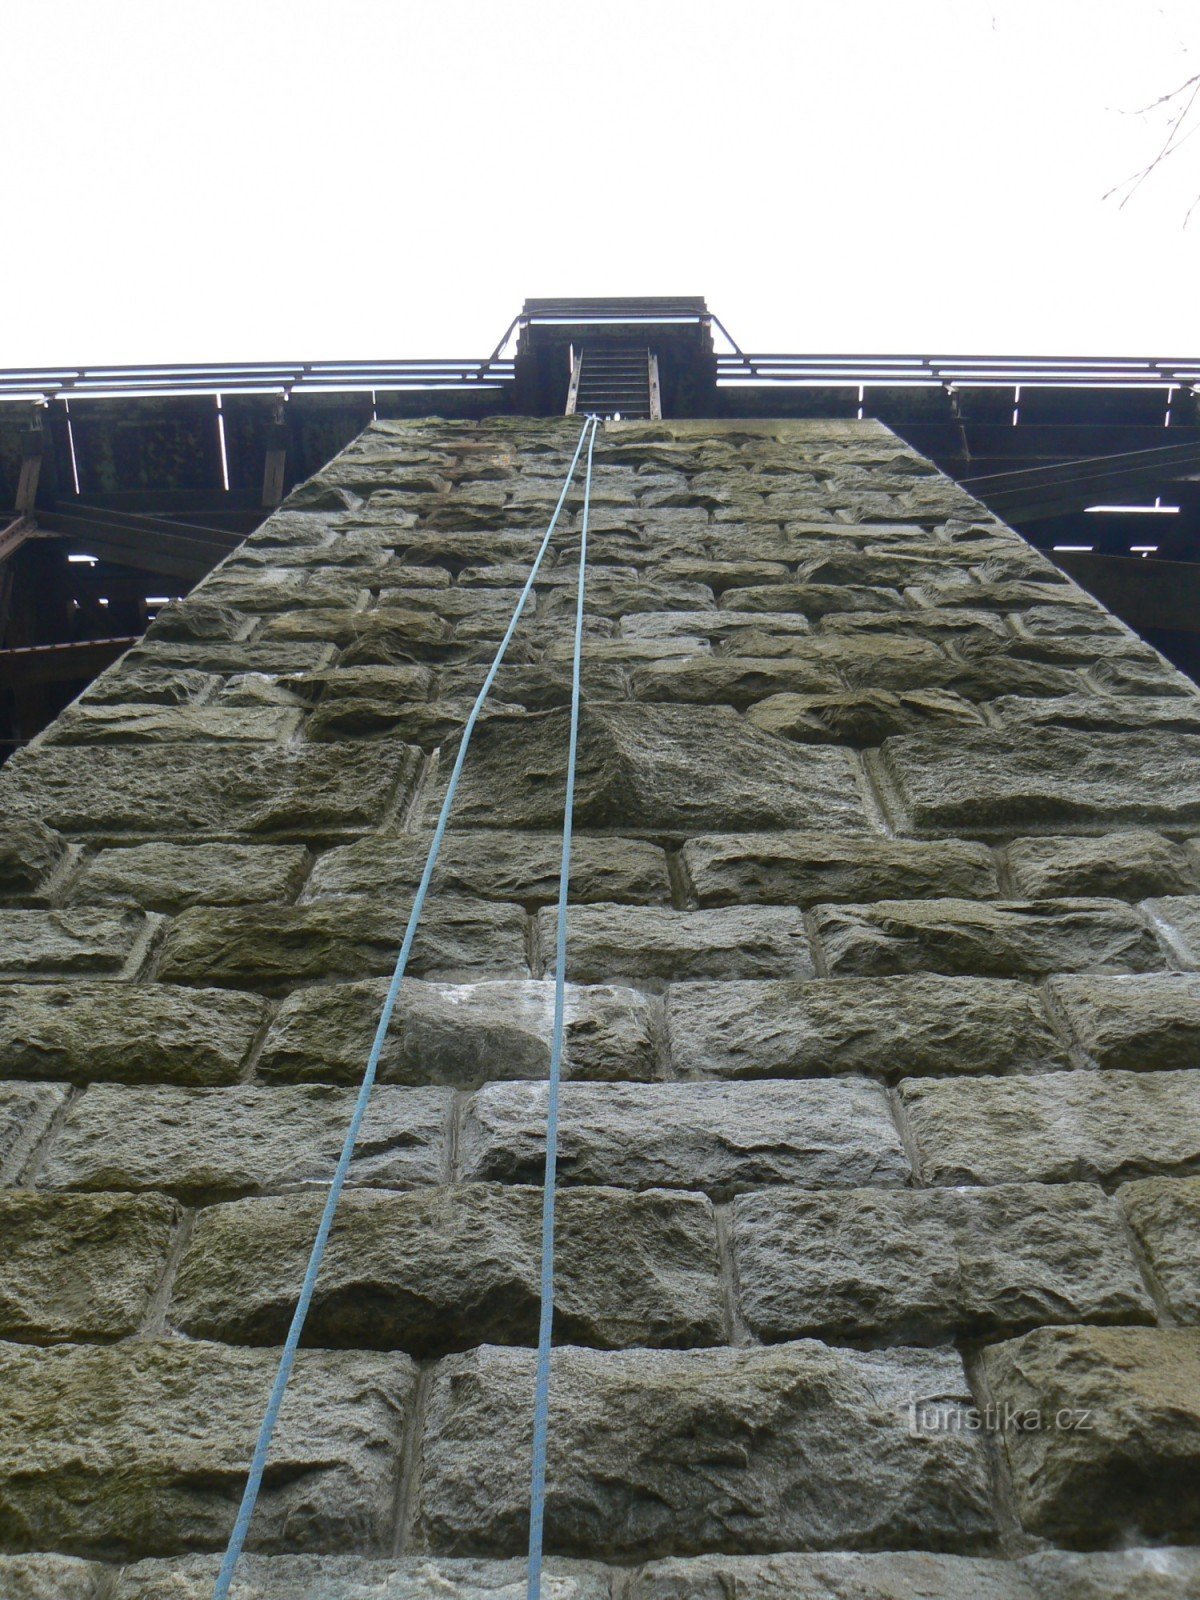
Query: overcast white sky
{"points": [[260, 179]]}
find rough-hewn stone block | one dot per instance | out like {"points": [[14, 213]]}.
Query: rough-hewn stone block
{"points": [[206, 789], [171, 877], [1126, 865], [647, 769], [82, 940], [126, 1032], [498, 866], [923, 1025], [346, 937], [50, 1578], [363, 1578], [919, 1267], [1154, 1574], [1165, 1215], [1011, 938], [25, 1113], [462, 1034], [155, 724], [1151, 1020], [1095, 713], [861, 716], [215, 1143], [654, 1452], [1181, 913], [712, 1136], [160, 1436], [80, 1267], [607, 942], [447, 1268], [1111, 1439], [1045, 778], [1096, 1126], [29, 853], [805, 868]]}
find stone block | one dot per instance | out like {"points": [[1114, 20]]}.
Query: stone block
{"points": [[648, 769], [658, 1452], [260, 655], [498, 866], [613, 942], [172, 877], [717, 1137], [346, 937], [80, 1267], [126, 1032], [26, 1111], [1044, 779], [203, 1144], [539, 686], [1107, 1432], [462, 1034], [1165, 1215], [29, 854], [363, 1578], [1155, 1574], [924, 1266], [1134, 1023], [812, 599], [1181, 913], [925, 1025], [1005, 939], [82, 940], [160, 1434], [447, 1268], [130, 681], [1101, 1127], [205, 789], [50, 1578], [1126, 865], [83, 723], [1094, 713], [861, 716], [803, 869]]}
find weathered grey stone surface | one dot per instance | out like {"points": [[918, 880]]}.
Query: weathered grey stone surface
{"points": [[50, 1578], [919, 1267], [82, 940], [447, 1268], [29, 853], [1067, 1125], [347, 937], [25, 1113], [614, 942], [1030, 938], [1147, 1574], [148, 682], [362, 1578], [155, 724], [803, 869], [498, 866], [657, 1452], [1046, 778], [1137, 1022], [861, 716], [80, 1267], [206, 789], [126, 1032], [712, 1136], [463, 1034], [1181, 913], [1126, 866], [214, 1143], [1093, 713], [925, 1025], [1165, 1215], [153, 1438], [171, 877], [644, 768], [1135, 1464]]}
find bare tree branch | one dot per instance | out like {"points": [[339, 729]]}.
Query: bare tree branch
{"points": [[1171, 144]]}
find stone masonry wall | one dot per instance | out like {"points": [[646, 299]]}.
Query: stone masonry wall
{"points": [[883, 1060]]}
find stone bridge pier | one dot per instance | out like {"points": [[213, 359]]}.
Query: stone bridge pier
{"points": [[879, 1227]]}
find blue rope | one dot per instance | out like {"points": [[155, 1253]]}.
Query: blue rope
{"points": [[541, 1403], [287, 1360]]}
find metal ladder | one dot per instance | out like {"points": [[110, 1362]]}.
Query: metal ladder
{"points": [[610, 378]]}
